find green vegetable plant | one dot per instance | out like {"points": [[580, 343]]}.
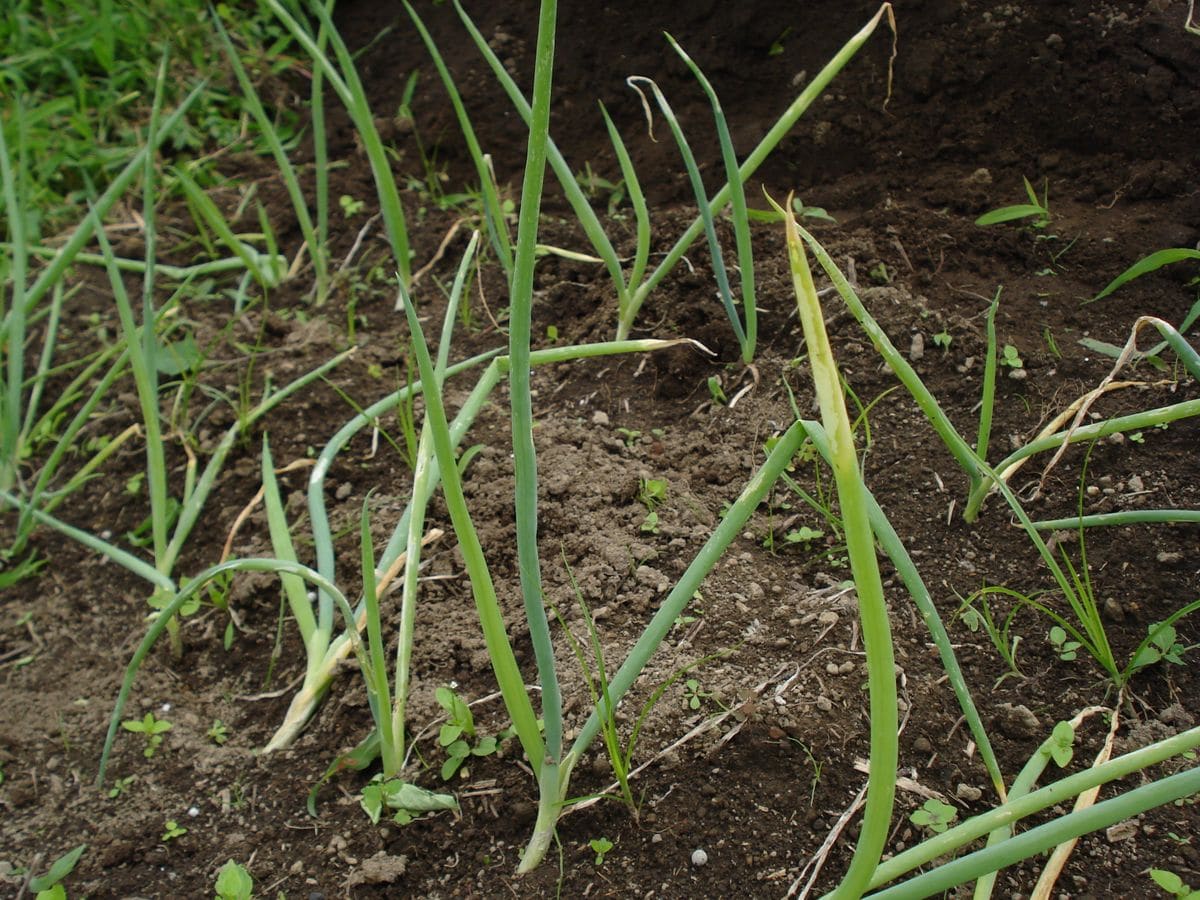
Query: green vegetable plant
{"points": [[1002, 849], [1035, 209], [632, 290], [342, 78], [172, 830], [549, 759], [745, 326]]}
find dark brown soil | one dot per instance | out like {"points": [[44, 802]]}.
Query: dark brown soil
{"points": [[1098, 102]]}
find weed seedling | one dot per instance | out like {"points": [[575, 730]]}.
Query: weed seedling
{"points": [[234, 882], [1012, 357], [120, 786], [934, 816], [600, 846], [1037, 210], [1171, 883], [49, 886], [151, 729], [218, 733], [694, 694], [458, 735], [350, 206], [803, 535], [716, 391], [942, 339], [1160, 645], [1067, 650], [172, 830], [651, 493]]}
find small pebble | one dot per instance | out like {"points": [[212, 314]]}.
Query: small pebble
{"points": [[699, 858], [599, 417]]}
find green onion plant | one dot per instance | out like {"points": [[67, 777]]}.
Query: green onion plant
{"points": [[343, 79], [631, 292], [745, 331]]}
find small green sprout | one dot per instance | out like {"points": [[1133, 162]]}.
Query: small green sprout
{"points": [[942, 339], [600, 846], [650, 523], [1011, 357], [152, 729], [1062, 744], [1067, 650], [693, 694], [219, 732], [552, 333], [1171, 883], [120, 786], [803, 535], [879, 273], [934, 816], [1038, 210], [350, 206], [49, 886], [652, 492], [1160, 645], [172, 830], [629, 435], [458, 735], [234, 882], [716, 391]]}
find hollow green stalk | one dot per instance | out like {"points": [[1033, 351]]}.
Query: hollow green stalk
{"points": [[976, 468], [988, 400], [632, 295], [493, 213], [1045, 837], [777, 132], [1150, 418], [1022, 785], [584, 214], [318, 252], [860, 545], [350, 91], [659, 626], [1126, 517], [1061, 791], [321, 671], [12, 320], [393, 721], [741, 220], [710, 232], [524, 452], [491, 620]]}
